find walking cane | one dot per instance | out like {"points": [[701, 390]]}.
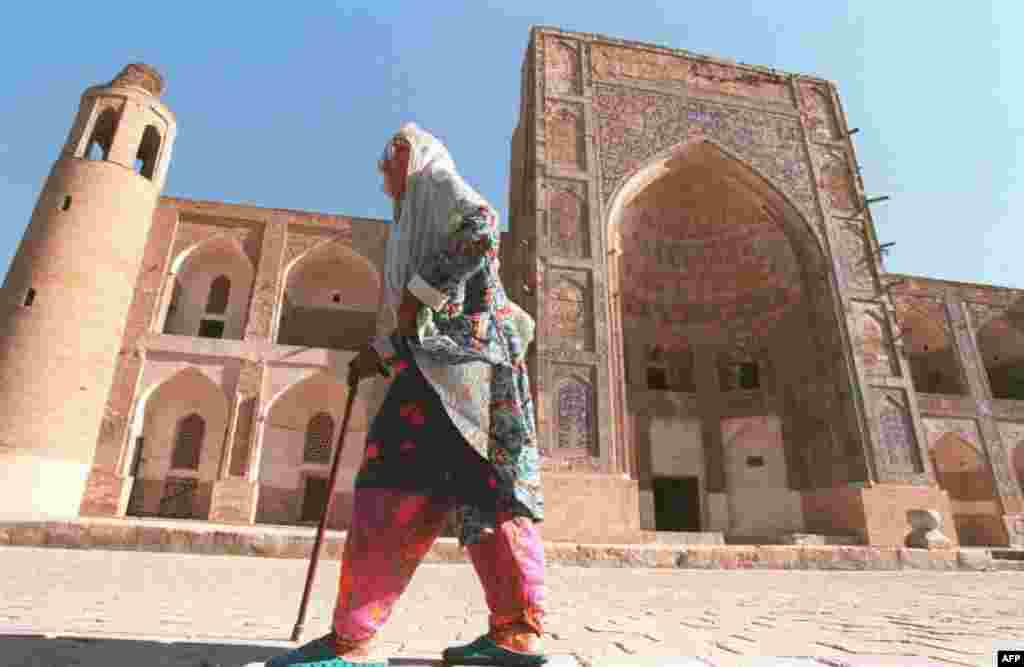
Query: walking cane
{"points": [[353, 385]]}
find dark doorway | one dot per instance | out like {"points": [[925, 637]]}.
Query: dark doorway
{"points": [[135, 504], [677, 504], [211, 329], [314, 500]]}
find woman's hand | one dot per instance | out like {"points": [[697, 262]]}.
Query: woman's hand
{"points": [[408, 313], [365, 364]]}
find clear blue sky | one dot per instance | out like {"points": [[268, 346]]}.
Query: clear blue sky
{"points": [[289, 107]]}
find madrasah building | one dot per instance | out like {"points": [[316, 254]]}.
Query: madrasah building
{"points": [[719, 351]]}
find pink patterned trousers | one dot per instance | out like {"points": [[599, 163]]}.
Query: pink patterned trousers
{"points": [[391, 532]]}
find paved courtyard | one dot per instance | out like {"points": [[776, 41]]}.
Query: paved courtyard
{"points": [[230, 610]]}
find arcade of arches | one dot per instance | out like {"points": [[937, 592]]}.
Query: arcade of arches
{"points": [[184, 441]]}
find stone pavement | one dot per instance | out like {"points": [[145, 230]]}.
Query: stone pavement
{"points": [[127, 607]]}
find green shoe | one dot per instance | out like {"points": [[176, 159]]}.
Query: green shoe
{"points": [[483, 651], [319, 653]]}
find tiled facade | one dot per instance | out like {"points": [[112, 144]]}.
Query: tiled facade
{"points": [[724, 311], [717, 336]]}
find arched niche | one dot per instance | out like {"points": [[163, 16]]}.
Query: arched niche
{"points": [[329, 299], [187, 404], [210, 288], [1001, 344], [963, 471], [291, 482], [928, 347]]}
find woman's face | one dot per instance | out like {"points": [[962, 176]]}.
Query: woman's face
{"points": [[396, 170]]}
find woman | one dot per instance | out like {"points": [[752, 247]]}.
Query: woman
{"points": [[455, 430]]}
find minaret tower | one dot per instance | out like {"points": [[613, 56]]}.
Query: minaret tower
{"points": [[64, 303]]}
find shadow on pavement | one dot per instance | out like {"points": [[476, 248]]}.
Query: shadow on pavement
{"points": [[39, 651]]}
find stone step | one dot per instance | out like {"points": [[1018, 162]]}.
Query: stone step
{"points": [[681, 537], [296, 542]]}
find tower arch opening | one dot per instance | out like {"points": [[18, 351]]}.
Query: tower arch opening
{"points": [[149, 151], [101, 138]]}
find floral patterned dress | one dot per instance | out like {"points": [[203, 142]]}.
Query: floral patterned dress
{"points": [[470, 351]]}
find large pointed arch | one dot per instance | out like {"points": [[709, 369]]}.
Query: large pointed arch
{"points": [[723, 189], [747, 177], [800, 232]]}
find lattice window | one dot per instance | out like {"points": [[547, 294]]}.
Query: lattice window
{"points": [[220, 291], [188, 442], [318, 439]]}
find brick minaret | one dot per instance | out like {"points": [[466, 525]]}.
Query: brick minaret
{"points": [[65, 300]]}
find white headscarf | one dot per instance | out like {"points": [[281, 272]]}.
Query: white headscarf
{"points": [[435, 195], [435, 200]]}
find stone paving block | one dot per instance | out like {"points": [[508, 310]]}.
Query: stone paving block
{"points": [[979, 560], [779, 557], [880, 661], [148, 536], [67, 535], [926, 559], [781, 661], [32, 536], [696, 557], [106, 536], [660, 661]]}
